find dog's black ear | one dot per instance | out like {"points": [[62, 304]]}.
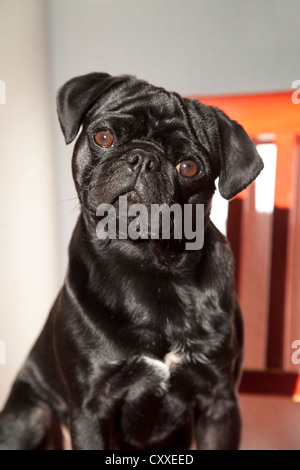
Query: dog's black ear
{"points": [[240, 161], [76, 96]]}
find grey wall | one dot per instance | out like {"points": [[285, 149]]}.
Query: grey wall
{"points": [[191, 46]]}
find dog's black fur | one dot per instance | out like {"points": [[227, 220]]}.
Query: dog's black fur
{"points": [[143, 346]]}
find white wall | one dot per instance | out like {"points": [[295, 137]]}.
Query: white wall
{"points": [[28, 231]]}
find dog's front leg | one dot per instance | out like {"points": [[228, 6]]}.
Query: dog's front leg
{"points": [[92, 424], [86, 433], [219, 427], [24, 420]]}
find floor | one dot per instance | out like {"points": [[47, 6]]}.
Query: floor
{"points": [[270, 423]]}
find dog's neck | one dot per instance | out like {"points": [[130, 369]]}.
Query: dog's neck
{"points": [[112, 278]]}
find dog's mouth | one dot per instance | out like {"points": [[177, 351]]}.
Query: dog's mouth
{"points": [[167, 228], [128, 216]]}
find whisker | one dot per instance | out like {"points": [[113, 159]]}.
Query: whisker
{"points": [[67, 200], [73, 209]]}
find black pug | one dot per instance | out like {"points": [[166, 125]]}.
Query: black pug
{"points": [[143, 346]]}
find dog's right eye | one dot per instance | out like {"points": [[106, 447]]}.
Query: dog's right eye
{"points": [[104, 138]]}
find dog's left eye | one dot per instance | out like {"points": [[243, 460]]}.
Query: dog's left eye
{"points": [[104, 138], [187, 168]]}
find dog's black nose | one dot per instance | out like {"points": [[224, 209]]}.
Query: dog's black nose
{"points": [[143, 161]]}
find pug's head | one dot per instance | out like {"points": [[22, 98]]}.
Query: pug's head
{"points": [[151, 145]]}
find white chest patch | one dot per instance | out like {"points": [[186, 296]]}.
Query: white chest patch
{"points": [[164, 368]]}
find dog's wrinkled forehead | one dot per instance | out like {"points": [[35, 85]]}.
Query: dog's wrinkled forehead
{"points": [[143, 111], [135, 95]]}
